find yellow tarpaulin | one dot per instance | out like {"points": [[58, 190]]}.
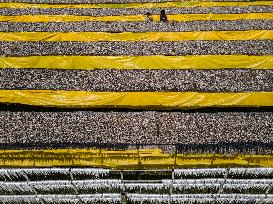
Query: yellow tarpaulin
{"points": [[144, 100], [139, 62], [128, 36], [137, 5], [126, 159], [177, 17]]}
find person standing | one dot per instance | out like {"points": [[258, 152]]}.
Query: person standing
{"points": [[123, 198], [149, 18], [163, 17]]}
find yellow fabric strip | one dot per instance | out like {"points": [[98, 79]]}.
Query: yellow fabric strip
{"points": [[139, 62], [144, 100], [137, 5], [177, 17], [126, 159], [128, 36]]}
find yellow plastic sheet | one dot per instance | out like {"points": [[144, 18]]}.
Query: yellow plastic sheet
{"points": [[178, 17], [137, 5], [144, 100], [139, 62], [128, 36], [127, 159]]}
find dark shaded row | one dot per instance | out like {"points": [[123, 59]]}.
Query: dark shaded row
{"points": [[226, 80], [150, 127], [90, 26], [142, 48], [135, 11], [258, 176], [15, 107]]}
